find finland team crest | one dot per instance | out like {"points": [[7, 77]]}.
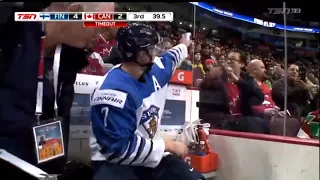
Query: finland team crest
{"points": [[149, 120]]}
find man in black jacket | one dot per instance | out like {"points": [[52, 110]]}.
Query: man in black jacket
{"points": [[297, 92], [19, 62]]}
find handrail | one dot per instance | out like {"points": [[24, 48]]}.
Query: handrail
{"points": [[266, 137]]}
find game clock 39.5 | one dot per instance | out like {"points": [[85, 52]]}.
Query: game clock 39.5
{"points": [[159, 16]]}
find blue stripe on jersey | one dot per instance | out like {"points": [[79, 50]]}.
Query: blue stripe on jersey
{"points": [[173, 57], [141, 148], [132, 147], [150, 151]]}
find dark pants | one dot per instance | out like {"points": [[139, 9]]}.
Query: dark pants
{"points": [[170, 168], [9, 171], [251, 124], [22, 146]]}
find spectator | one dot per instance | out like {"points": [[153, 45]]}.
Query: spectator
{"points": [[297, 92], [268, 110], [256, 69], [312, 87], [198, 67], [206, 52], [278, 72], [114, 56], [216, 53], [209, 63], [104, 47], [241, 93], [238, 59], [192, 49], [221, 59], [213, 101], [94, 67], [270, 71], [167, 44], [198, 48]]}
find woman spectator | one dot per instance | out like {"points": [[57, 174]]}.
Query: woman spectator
{"points": [[198, 67], [221, 59]]}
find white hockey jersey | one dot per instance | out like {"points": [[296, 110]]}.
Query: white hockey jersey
{"points": [[126, 113]]}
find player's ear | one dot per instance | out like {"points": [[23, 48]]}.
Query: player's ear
{"points": [[75, 7]]}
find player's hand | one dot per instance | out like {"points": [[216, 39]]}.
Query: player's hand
{"points": [[177, 148], [185, 40], [180, 149]]}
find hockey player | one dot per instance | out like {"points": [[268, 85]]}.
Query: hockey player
{"points": [[127, 108]]}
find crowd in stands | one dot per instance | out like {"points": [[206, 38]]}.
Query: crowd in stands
{"points": [[241, 81]]}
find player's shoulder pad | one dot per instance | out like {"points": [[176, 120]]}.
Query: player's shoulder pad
{"points": [[110, 97]]}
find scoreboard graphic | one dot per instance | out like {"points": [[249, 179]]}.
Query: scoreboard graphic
{"points": [[96, 19]]}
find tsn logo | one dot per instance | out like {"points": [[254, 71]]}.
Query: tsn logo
{"points": [[26, 16], [284, 11]]}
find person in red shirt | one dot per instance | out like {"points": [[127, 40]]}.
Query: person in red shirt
{"points": [[257, 70], [102, 49], [209, 63], [104, 46], [231, 94], [239, 92], [243, 94], [268, 109], [94, 68]]}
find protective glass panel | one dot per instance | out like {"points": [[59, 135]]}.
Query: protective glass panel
{"points": [[238, 43], [232, 43]]}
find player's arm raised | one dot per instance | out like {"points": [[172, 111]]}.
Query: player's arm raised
{"points": [[114, 123], [174, 56]]}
